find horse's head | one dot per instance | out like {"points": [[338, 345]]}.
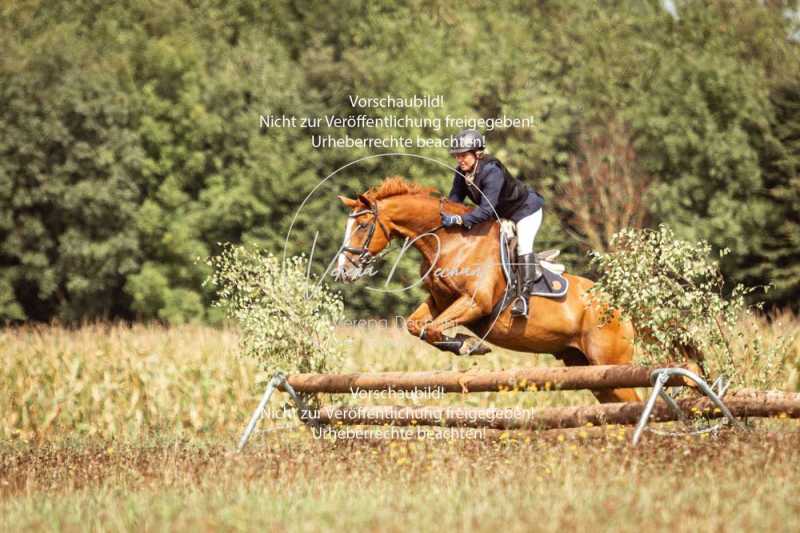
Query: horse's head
{"points": [[366, 236]]}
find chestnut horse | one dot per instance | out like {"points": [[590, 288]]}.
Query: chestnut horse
{"points": [[571, 327]]}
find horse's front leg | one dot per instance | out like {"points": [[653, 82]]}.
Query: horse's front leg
{"points": [[421, 317], [462, 311]]}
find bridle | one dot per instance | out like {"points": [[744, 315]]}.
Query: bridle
{"points": [[365, 257]]}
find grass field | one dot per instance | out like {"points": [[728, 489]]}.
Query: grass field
{"points": [[694, 484], [118, 428]]}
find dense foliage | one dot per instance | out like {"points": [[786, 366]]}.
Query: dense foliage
{"points": [[673, 293], [130, 141], [287, 319]]}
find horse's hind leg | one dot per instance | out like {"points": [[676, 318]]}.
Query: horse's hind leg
{"points": [[574, 357], [617, 395]]}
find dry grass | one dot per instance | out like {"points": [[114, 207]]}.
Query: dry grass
{"points": [[734, 483], [118, 428], [129, 382], [132, 382], [767, 352], [115, 381]]}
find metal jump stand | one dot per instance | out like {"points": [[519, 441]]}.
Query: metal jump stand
{"points": [[278, 381], [714, 392], [659, 378]]}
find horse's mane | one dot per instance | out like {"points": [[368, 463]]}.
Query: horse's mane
{"points": [[397, 185]]}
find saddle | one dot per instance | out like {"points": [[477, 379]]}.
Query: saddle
{"points": [[551, 285]]}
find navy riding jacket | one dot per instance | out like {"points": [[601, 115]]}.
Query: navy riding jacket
{"points": [[487, 192]]}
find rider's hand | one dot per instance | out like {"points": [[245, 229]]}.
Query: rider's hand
{"points": [[451, 220]]}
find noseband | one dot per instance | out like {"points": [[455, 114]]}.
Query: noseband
{"points": [[364, 255]]}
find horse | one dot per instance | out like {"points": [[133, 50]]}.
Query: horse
{"points": [[574, 328]]}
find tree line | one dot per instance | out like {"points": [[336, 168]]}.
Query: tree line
{"points": [[132, 145]]}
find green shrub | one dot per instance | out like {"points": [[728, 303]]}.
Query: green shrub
{"points": [[674, 294], [287, 319]]}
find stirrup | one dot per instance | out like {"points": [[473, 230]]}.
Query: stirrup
{"points": [[524, 311]]}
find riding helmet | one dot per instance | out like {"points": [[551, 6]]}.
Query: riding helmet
{"points": [[468, 140]]}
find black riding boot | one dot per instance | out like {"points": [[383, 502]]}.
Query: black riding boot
{"points": [[531, 272]]}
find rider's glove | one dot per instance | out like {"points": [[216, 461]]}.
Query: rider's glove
{"points": [[451, 220]]}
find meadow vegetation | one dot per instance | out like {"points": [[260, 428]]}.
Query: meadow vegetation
{"points": [[739, 483], [113, 427], [132, 382]]}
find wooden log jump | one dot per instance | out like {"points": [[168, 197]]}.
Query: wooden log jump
{"points": [[557, 378], [741, 404], [744, 403]]}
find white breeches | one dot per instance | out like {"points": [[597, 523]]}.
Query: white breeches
{"points": [[526, 232]]}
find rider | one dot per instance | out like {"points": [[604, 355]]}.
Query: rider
{"points": [[496, 193]]}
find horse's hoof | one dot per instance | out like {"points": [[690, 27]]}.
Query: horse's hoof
{"points": [[473, 346]]}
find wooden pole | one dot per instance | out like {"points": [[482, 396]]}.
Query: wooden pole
{"points": [[741, 404], [556, 378]]}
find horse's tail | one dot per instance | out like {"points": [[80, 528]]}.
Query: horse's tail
{"points": [[694, 358], [687, 352]]}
